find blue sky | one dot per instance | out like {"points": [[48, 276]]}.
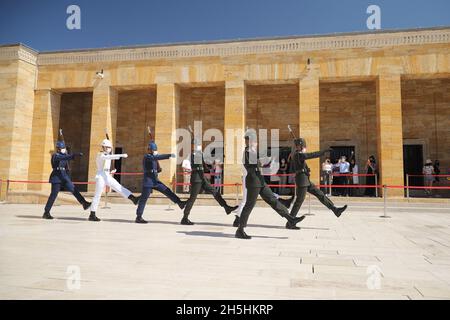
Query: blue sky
{"points": [[41, 24]]}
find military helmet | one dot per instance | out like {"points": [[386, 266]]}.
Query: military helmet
{"points": [[250, 134], [300, 142], [152, 146], [195, 141], [106, 143], [60, 144]]}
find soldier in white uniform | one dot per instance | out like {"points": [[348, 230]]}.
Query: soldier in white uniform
{"points": [[104, 178]]}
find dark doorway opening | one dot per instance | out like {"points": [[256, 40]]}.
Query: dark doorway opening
{"points": [[339, 151], [118, 164], [75, 120], [413, 163]]}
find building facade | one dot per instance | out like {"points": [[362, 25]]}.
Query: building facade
{"points": [[382, 94]]}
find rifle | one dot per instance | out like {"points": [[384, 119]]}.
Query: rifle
{"points": [[149, 131], [292, 132]]}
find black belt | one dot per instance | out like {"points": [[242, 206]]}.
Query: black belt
{"points": [[60, 169]]}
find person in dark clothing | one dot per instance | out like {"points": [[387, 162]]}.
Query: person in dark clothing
{"points": [[60, 177], [256, 185], [151, 181], [303, 183], [371, 168], [199, 182]]}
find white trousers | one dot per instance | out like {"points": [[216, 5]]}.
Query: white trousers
{"points": [[103, 179]]}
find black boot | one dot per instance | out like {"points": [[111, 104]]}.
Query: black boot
{"points": [[185, 221], [291, 226], [292, 221], [134, 199], [229, 209], [240, 234], [93, 217], [139, 219], [236, 222], [338, 211], [86, 205], [47, 216], [182, 204]]}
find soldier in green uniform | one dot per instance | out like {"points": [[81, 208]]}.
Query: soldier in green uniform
{"points": [[256, 185], [303, 184], [198, 182]]}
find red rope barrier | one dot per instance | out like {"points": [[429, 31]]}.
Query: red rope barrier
{"points": [[432, 175], [269, 185]]}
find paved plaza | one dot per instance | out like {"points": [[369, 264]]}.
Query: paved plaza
{"points": [[358, 256]]}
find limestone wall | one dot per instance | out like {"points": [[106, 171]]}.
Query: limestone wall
{"points": [[136, 111], [348, 117], [426, 117]]}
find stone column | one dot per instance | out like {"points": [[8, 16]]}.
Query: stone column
{"points": [[47, 104], [167, 107], [390, 132], [309, 121], [234, 126], [104, 116]]}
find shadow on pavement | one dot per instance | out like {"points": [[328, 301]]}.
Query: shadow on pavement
{"points": [[221, 235], [214, 224]]}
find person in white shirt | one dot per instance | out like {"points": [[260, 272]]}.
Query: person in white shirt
{"points": [[327, 169], [344, 168], [428, 172], [355, 179], [217, 174], [104, 178], [186, 165]]}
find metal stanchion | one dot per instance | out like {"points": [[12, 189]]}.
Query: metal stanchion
{"points": [[376, 186], [237, 194], [385, 202], [1, 189], [331, 183], [407, 186], [309, 206], [106, 200], [7, 190], [174, 186]]}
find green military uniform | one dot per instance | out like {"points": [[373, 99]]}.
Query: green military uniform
{"points": [[303, 184], [256, 185], [199, 182]]}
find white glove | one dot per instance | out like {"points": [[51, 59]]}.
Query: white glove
{"points": [[125, 155], [113, 171]]}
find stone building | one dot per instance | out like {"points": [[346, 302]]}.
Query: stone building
{"points": [[378, 93]]}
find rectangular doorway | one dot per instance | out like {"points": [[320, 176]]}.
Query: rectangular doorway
{"points": [[413, 163]]}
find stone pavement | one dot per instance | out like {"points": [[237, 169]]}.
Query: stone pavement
{"points": [[358, 256]]}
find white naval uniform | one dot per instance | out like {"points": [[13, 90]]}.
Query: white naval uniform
{"points": [[103, 177]]}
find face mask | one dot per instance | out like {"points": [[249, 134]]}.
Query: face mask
{"points": [[63, 151], [155, 152]]}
